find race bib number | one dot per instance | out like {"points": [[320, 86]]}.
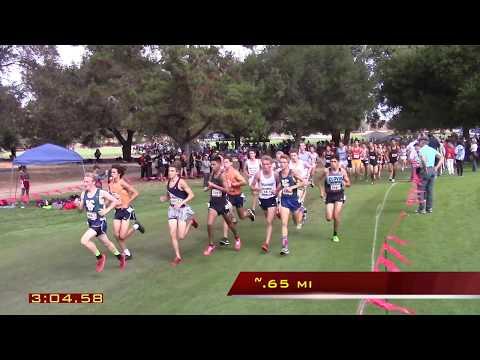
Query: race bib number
{"points": [[336, 187], [394, 155], [216, 193], [174, 201], [92, 216], [372, 157], [267, 192], [356, 156]]}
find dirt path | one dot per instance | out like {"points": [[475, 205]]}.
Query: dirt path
{"points": [[54, 179]]}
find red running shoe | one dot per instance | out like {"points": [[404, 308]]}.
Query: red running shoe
{"points": [[123, 262], [265, 247], [101, 263], [176, 261], [194, 223]]}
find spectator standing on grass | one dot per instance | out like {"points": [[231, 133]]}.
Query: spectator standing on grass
{"points": [[474, 154], [459, 157], [428, 172], [149, 164], [24, 185], [205, 169], [98, 154], [143, 166], [450, 156]]}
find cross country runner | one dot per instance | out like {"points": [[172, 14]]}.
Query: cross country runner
{"points": [[251, 167], [336, 179], [266, 181], [235, 181], [180, 215], [365, 160], [393, 158], [290, 181], [302, 169], [217, 206], [373, 158], [124, 212], [357, 153], [92, 200]]}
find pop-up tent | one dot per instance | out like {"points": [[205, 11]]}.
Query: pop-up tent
{"points": [[47, 154]]}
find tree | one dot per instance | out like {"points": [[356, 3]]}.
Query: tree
{"points": [[113, 76], [315, 88], [183, 95], [10, 116], [432, 87]]}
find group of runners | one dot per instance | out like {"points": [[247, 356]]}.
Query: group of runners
{"points": [[279, 186]]}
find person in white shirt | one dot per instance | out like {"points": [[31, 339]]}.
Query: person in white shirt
{"points": [[474, 154], [459, 157], [251, 167]]}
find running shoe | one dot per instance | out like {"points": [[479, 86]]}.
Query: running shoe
{"points": [[429, 211], [139, 227], [123, 262], [251, 214], [176, 261], [335, 238], [299, 226], [101, 263], [421, 211], [194, 223], [265, 247], [209, 250], [238, 244], [224, 242], [284, 251]]}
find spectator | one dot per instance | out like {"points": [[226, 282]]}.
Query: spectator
{"points": [[148, 164], [98, 154], [428, 171], [450, 156], [205, 168], [24, 185], [474, 154], [459, 157], [143, 166]]}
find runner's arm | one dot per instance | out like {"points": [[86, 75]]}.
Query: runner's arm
{"points": [[299, 179], [239, 180], [255, 181], [184, 186], [80, 202], [346, 179], [112, 202], [131, 191], [321, 183]]}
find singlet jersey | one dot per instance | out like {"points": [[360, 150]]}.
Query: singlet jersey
{"points": [[252, 167], [328, 157], [403, 152], [342, 154], [372, 155], [334, 181], [268, 185], [176, 195], [394, 153], [305, 157], [119, 193], [313, 158], [288, 181], [299, 167], [93, 204], [217, 197], [232, 175], [356, 153]]}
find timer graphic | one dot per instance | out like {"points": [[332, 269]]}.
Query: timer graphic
{"points": [[65, 298]]}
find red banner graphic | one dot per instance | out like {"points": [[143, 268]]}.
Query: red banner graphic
{"points": [[358, 284]]}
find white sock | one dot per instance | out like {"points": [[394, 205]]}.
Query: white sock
{"points": [[135, 226], [126, 252]]}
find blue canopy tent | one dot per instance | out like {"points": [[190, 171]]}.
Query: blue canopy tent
{"points": [[47, 154]]}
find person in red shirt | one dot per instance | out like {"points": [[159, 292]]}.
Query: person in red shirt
{"points": [[450, 156]]}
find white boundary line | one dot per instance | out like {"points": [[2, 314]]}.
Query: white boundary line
{"points": [[378, 213]]}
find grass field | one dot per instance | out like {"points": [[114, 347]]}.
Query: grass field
{"points": [[41, 252]]}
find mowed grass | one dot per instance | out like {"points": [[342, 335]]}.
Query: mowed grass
{"points": [[41, 252]]}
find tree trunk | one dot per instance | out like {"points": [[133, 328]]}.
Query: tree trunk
{"points": [[346, 136], [126, 143], [336, 136]]}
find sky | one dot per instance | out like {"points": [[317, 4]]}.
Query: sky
{"points": [[73, 54]]}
